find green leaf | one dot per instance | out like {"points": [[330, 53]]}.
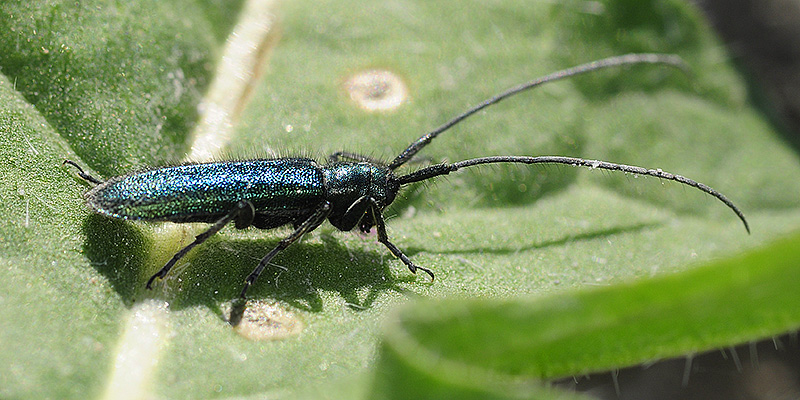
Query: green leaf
{"points": [[116, 87], [455, 343], [119, 82]]}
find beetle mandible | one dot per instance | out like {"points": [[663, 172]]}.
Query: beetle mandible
{"points": [[351, 191]]}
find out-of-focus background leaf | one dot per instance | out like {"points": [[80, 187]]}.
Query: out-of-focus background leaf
{"points": [[116, 87]]}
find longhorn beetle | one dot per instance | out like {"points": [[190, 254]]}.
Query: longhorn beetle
{"points": [[351, 190]]}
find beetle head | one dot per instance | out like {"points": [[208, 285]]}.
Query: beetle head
{"points": [[355, 191]]}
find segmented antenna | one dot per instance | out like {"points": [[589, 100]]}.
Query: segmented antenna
{"points": [[628, 59], [444, 169]]}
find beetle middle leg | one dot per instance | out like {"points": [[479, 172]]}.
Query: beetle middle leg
{"points": [[311, 223], [384, 239], [242, 215]]}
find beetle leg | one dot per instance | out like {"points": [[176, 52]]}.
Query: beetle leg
{"points": [[384, 239], [82, 174], [346, 155], [242, 208], [308, 225], [355, 213], [245, 216]]}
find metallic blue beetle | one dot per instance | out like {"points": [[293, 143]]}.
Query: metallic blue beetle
{"points": [[350, 191]]}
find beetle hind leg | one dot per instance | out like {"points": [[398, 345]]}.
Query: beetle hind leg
{"points": [[83, 175], [241, 214]]}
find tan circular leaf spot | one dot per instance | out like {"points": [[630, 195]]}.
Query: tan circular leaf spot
{"points": [[376, 90], [262, 320]]}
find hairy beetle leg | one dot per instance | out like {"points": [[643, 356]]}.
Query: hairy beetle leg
{"points": [[242, 212], [83, 175], [307, 226], [384, 239]]}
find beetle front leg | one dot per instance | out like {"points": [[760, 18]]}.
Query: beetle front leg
{"points": [[384, 239], [308, 225], [346, 155], [242, 212]]}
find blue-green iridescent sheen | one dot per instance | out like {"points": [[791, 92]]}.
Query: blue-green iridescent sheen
{"points": [[204, 192], [346, 182]]}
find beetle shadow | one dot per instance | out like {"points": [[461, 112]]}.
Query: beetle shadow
{"points": [[296, 276], [215, 271], [117, 250], [499, 250]]}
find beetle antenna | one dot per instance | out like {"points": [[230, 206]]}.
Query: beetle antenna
{"points": [[444, 169], [628, 59]]}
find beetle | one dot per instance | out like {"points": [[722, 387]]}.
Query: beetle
{"points": [[351, 190]]}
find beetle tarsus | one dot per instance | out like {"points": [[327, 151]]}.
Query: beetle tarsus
{"points": [[83, 175], [383, 238], [155, 276]]}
